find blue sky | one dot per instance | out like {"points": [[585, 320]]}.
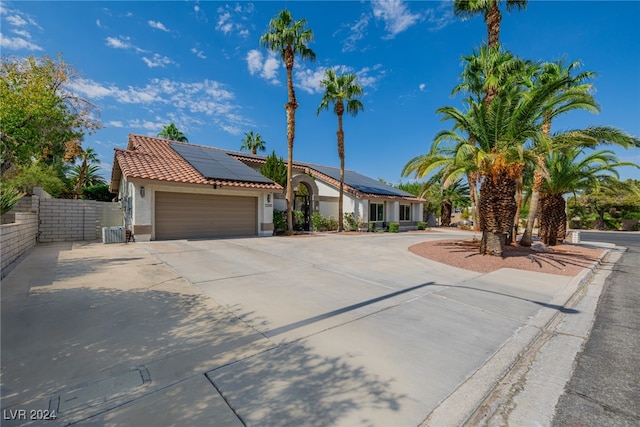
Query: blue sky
{"points": [[200, 65]]}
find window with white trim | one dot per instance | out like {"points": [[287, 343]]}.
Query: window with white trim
{"points": [[376, 211], [405, 212]]}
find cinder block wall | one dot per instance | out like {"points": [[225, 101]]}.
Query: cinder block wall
{"points": [[17, 238], [64, 220]]}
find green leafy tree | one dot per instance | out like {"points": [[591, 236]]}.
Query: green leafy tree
{"points": [[343, 92], [171, 132], [38, 174], [253, 142], [491, 12], [289, 39], [275, 169], [40, 118]]}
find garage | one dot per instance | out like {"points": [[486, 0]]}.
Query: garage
{"points": [[197, 216]]}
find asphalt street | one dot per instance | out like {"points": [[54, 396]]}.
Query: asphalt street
{"points": [[604, 389]]}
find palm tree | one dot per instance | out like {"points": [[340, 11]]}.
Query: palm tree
{"points": [[497, 136], [340, 90], [253, 142], [91, 176], [453, 195], [88, 156], [171, 132], [289, 38], [570, 170], [574, 95], [489, 8]]}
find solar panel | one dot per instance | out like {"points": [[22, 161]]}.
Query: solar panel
{"points": [[216, 164], [360, 182]]}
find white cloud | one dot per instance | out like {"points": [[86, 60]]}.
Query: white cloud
{"points": [[158, 25], [234, 18], [309, 80], [16, 20], [357, 32], [157, 60], [119, 42], [17, 43], [115, 124], [440, 16], [396, 16], [22, 23], [266, 67], [422, 86], [200, 54], [193, 102]]}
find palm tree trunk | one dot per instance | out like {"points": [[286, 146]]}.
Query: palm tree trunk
{"points": [[290, 107], [497, 209], [81, 177], [340, 135], [445, 211], [533, 208], [516, 219], [493, 18], [553, 219], [472, 179]]}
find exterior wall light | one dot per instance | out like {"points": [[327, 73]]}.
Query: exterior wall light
{"points": [[141, 191], [268, 198]]}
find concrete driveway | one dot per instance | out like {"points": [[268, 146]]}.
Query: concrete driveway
{"points": [[322, 330]]}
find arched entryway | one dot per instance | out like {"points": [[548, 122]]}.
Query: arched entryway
{"points": [[305, 193]]}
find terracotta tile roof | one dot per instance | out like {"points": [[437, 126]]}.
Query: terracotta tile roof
{"points": [[154, 159]]}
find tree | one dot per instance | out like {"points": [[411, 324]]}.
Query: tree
{"points": [[99, 192], [171, 132], [40, 118], [574, 95], [289, 38], [275, 169], [85, 173], [253, 142], [571, 170], [489, 9], [340, 90], [37, 174]]}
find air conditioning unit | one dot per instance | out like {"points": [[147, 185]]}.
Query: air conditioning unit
{"points": [[113, 235]]}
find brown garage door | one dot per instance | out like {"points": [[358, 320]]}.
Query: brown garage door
{"points": [[197, 216]]}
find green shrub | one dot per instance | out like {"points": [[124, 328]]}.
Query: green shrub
{"points": [[298, 220], [279, 220], [98, 192], [352, 222], [9, 196], [394, 227], [372, 227], [321, 223], [422, 225]]}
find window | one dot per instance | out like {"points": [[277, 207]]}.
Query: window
{"points": [[405, 213], [376, 212]]}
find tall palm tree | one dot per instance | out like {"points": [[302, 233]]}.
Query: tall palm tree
{"points": [[171, 132], [88, 156], [253, 142], [289, 38], [491, 12], [340, 90], [570, 170], [91, 176]]}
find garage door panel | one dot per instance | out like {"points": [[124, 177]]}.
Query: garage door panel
{"points": [[192, 216]]}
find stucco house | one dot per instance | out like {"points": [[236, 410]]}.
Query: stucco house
{"points": [[171, 190]]}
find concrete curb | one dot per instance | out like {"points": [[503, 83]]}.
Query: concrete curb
{"points": [[471, 399]]}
